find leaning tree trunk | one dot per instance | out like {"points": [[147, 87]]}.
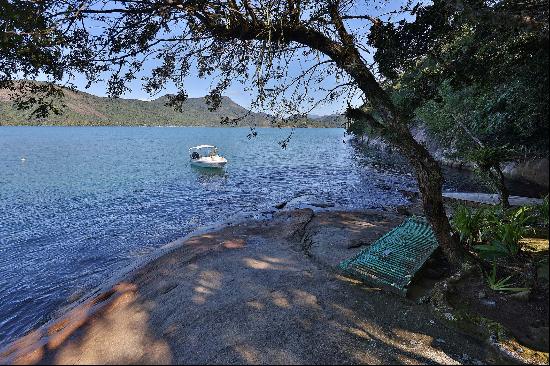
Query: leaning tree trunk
{"points": [[428, 175], [347, 57], [430, 183]]}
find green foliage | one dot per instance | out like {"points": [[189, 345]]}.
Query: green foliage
{"points": [[505, 240], [542, 211], [503, 284], [493, 232], [360, 128], [487, 157], [357, 128], [493, 251], [468, 223], [504, 230], [477, 70], [28, 39]]}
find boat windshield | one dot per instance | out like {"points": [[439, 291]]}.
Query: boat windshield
{"points": [[202, 151]]}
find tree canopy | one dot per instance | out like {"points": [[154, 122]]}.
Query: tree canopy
{"points": [[481, 71], [280, 50], [477, 78], [251, 42]]}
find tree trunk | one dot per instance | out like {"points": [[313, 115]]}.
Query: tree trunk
{"points": [[347, 57], [430, 183], [494, 173], [503, 192], [428, 175]]}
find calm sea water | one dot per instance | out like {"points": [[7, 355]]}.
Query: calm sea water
{"points": [[78, 203]]}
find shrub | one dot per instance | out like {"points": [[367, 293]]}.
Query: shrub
{"points": [[542, 211], [493, 232], [504, 284], [468, 224], [505, 240]]}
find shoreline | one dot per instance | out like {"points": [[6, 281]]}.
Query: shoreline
{"points": [[225, 250], [531, 171], [263, 216], [270, 223], [104, 292], [137, 263]]}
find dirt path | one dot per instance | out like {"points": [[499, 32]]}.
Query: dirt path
{"points": [[261, 292]]}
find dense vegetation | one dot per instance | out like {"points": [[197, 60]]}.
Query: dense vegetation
{"points": [[494, 235], [477, 79], [480, 75]]}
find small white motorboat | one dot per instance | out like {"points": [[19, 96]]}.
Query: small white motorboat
{"points": [[206, 156]]}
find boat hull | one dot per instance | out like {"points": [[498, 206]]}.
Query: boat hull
{"points": [[208, 164]]}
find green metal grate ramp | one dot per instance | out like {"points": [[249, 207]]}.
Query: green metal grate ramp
{"points": [[392, 260]]}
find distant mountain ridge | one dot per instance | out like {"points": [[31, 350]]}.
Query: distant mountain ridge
{"points": [[84, 109]]}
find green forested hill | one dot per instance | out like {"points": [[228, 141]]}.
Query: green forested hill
{"points": [[90, 110]]}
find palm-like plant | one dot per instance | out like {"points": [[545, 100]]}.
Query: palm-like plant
{"points": [[503, 284]]}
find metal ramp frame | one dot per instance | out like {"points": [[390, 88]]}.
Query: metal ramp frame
{"points": [[393, 259]]}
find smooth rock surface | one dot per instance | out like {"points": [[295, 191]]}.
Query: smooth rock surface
{"points": [[247, 294]]}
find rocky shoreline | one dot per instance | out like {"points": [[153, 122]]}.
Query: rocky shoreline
{"points": [[258, 291], [532, 171], [262, 290]]}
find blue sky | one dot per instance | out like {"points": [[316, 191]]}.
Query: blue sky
{"points": [[199, 87]]}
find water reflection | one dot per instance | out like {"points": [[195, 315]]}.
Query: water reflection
{"points": [[208, 172], [456, 180]]}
